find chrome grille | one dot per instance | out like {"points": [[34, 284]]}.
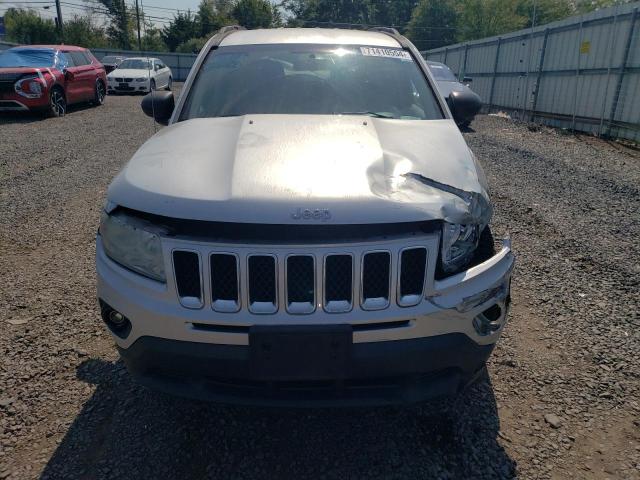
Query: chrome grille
{"points": [[262, 284], [301, 285], [376, 280], [303, 280], [338, 283], [186, 267], [413, 268], [225, 287]]}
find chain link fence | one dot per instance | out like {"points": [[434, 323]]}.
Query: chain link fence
{"points": [[581, 73]]}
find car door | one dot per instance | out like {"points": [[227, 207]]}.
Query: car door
{"points": [[163, 74], [72, 88], [84, 76]]}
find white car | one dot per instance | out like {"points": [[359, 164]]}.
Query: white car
{"points": [[311, 229], [140, 74]]}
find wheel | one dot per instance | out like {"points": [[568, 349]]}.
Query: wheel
{"points": [[100, 93], [57, 103], [169, 83], [152, 85]]}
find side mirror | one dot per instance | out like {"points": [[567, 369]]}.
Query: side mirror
{"points": [[463, 105], [467, 80], [158, 105], [68, 75]]}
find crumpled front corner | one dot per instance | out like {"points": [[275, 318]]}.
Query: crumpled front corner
{"points": [[475, 207]]}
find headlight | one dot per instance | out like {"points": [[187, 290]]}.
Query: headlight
{"points": [[29, 87], [127, 242], [459, 242], [140, 79]]}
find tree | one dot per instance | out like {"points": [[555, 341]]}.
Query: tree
{"points": [[152, 39], [182, 28], [26, 26], [397, 13], [433, 24], [253, 13], [334, 11], [486, 18], [81, 31], [210, 19], [545, 11], [121, 26], [193, 45]]}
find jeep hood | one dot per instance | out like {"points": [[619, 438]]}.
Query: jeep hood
{"points": [[271, 168]]}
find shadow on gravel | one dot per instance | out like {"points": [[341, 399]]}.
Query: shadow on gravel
{"points": [[127, 431], [37, 116]]}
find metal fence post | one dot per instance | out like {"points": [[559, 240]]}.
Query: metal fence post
{"points": [[606, 88], [539, 76], [178, 68], [623, 66], [577, 78], [495, 73], [446, 51], [464, 62]]}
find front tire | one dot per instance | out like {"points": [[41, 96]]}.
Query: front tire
{"points": [[100, 93], [57, 103], [169, 83]]}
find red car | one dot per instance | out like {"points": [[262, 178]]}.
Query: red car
{"points": [[50, 77]]}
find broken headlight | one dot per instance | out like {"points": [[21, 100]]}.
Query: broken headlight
{"points": [[459, 243], [127, 242]]}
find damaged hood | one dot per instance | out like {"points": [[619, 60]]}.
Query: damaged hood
{"points": [[285, 169]]}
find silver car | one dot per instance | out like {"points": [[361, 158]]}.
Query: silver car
{"points": [[310, 229]]}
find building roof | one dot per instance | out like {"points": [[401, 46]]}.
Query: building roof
{"points": [[327, 36]]}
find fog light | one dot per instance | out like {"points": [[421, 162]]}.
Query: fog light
{"points": [[116, 321], [116, 318], [488, 321]]}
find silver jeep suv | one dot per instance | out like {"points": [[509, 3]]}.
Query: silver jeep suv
{"points": [[310, 229]]}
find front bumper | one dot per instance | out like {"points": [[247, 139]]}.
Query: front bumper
{"points": [[377, 373], [12, 102], [127, 87], [400, 354]]}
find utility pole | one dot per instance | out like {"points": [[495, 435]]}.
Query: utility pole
{"points": [[138, 18], [59, 14]]}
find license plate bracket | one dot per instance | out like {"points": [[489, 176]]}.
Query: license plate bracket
{"points": [[305, 352]]}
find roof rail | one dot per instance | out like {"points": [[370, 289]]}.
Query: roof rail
{"points": [[231, 28], [387, 30], [392, 32]]}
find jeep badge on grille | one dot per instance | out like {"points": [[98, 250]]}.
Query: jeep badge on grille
{"points": [[307, 214]]}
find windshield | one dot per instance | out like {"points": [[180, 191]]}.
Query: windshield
{"points": [[310, 79], [31, 57], [135, 64], [110, 60], [442, 72]]}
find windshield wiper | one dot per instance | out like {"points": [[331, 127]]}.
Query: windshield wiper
{"points": [[371, 114]]}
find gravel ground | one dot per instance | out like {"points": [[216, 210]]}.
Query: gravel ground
{"points": [[561, 399]]}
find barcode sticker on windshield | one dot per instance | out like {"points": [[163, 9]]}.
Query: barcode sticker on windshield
{"points": [[385, 52]]}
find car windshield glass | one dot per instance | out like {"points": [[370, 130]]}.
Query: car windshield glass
{"points": [[311, 79], [442, 72], [134, 64], [23, 57], [109, 59]]}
